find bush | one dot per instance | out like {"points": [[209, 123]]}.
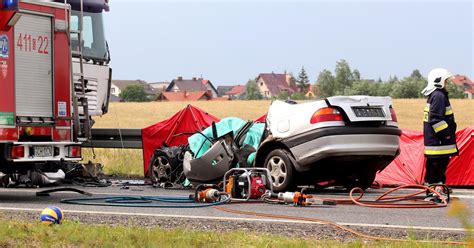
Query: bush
{"points": [[455, 91], [134, 93]]}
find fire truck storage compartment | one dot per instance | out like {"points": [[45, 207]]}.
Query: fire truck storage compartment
{"points": [[33, 66]]}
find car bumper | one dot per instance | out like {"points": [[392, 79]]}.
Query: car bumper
{"points": [[322, 143]]}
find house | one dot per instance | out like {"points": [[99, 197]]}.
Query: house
{"points": [[310, 93], [238, 92], [272, 84], [185, 96], [115, 90], [190, 85], [222, 90], [159, 86], [466, 83], [119, 85]]}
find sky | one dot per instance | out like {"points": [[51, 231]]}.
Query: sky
{"points": [[229, 42]]}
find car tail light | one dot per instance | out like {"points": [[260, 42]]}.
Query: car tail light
{"points": [[326, 114], [17, 152], [393, 114], [74, 152]]}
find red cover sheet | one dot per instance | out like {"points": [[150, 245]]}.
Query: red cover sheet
{"points": [[172, 131], [261, 119], [409, 166]]}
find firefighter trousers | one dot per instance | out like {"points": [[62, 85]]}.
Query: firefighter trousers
{"points": [[436, 170]]}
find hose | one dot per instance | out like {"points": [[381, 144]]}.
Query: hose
{"points": [[334, 224], [387, 201], [48, 192], [383, 201], [189, 202], [144, 201]]}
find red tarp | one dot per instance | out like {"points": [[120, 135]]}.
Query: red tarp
{"points": [[188, 120], [261, 119], [409, 166]]}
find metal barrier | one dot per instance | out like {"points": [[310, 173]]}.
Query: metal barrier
{"points": [[115, 138]]}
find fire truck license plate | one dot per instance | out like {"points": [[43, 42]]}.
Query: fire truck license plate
{"points": [[43, 151]]}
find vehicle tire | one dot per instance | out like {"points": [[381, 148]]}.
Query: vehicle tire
{"points": [[281, 170], [159, 169], [363, 181]]}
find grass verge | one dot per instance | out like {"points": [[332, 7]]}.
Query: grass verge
{"points": [[117, 162], [74, 234]]}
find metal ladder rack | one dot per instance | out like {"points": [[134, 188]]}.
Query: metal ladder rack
{"points": [[81, 119]]}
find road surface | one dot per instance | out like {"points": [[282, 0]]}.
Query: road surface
{"points": [[361, 218]]}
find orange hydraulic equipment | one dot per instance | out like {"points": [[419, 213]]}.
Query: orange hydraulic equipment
{"points": [[208, 193], [297, 199], [244, 184]]}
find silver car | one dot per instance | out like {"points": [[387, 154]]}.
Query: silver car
{"points": [[341, 140]]}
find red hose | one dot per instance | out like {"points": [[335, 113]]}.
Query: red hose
{"points": [[383, 201], [336, 225], [387, 201]]}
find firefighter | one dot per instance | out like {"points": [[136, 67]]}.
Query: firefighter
{"points": [[439, 130]]}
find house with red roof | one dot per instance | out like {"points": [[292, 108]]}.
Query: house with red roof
{"points": [[191, 85], [185, 96], [237, 92], [466, 83], [272, 84], [223, 89]]}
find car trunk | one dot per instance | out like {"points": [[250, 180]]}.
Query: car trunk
{"points": [[363, 110]]}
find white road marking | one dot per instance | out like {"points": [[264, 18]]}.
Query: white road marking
{"points": [[244, 219], [463, 196]]}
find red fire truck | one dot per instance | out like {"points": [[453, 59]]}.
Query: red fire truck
{"points": [[44, 103]]}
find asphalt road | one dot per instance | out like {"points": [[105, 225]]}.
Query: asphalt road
{"points": [[23, 199]]}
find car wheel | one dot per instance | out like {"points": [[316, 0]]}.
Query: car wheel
{"points": [[363, 181], [281, 170], [159, 169]]}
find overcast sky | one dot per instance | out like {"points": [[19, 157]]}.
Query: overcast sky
{"points": [[229, 42]]}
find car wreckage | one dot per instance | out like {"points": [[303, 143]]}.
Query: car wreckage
{"points": [[342, 140]]}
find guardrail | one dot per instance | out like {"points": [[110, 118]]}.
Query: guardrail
{"points": [[115, 138]]}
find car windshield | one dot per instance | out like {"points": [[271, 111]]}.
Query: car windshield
{"points": [[93, 38]]}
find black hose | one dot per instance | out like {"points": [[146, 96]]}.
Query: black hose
{"points": [[47, 192]]}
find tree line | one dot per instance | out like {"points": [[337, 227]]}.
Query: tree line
{"points": [[345, 81]]}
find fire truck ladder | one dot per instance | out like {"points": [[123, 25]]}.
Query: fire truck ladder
{"points": [[82, 122]]}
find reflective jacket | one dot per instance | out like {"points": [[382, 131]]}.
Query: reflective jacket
{"points": [[439, 127]]}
